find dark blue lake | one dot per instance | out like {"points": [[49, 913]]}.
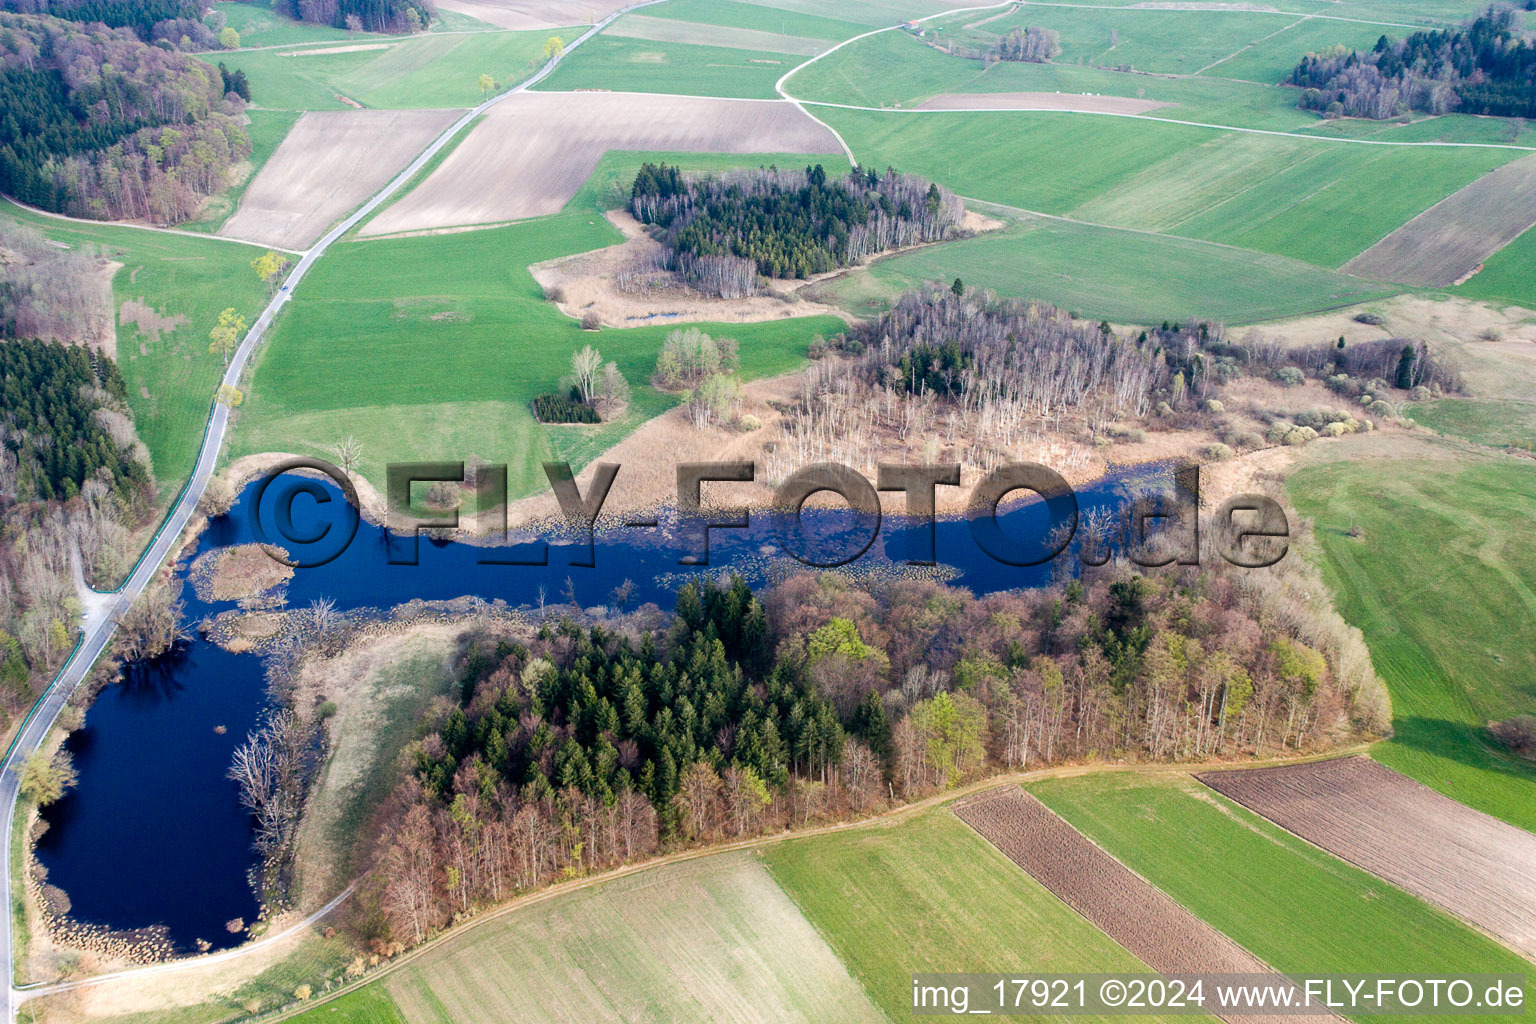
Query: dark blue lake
{"points": [[154, 833]]}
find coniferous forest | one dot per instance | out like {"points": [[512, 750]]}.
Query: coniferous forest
{"points": [[1488, 66], [95, 123], [723, 231]]}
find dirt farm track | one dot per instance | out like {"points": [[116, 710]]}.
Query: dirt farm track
{"points": [[1126, 907], [1473, 865]]}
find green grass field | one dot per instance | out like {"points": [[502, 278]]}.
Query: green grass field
{"points": [[1159, 41], [758, 17], [1486, 421], [1321, 202], [1045, 161], [432, 70], [1442, 582], [930, 894], [640, 65], [608, 186], [449, 338], [1294, 906], [1269, 60], [259, 25], [1124, 276], [1508, 276], [170, 374]]}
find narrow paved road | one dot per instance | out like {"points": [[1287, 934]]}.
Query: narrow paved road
{"points": [[101, 622]]}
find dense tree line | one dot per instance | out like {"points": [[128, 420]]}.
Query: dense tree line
{"points": [[723, 231], [52, 404], [147, 18], [72, 474], [583, 747], [95, 123], [1487, 66], [371, 15]]}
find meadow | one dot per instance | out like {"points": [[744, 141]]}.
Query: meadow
{"points": [[432, 70], [929, 893], [1294, 906], [1111, 273], [171, 376], [1441, 579], [640, 65], [1205, 183], [259, 25], [1486, 421], [758, 18], [1177, 42], [1508, 276], [442, 341]]}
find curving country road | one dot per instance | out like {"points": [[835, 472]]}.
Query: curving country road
{"points": [[103, 611]]}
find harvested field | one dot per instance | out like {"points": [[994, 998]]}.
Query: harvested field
{"points": [[1473, 865], [1448, 242], [533, 151], [328, 164], [671, 30], [1039, 101], [1133, 912], [532, 14], [710, 939]]}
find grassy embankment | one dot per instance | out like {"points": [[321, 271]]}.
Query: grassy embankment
{"points": [[1442, 581], [170, 374], [1294, 906]]}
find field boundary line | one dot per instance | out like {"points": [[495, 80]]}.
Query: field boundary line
{"points": [[1130, 871], [144, 227], [883, 819], [1168, 120], [1248, 46]]}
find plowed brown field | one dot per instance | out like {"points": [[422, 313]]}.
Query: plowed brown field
{"points": [[329, 163], [1126, 907], [1473, 865], [1451, 239], [533, 151]]}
